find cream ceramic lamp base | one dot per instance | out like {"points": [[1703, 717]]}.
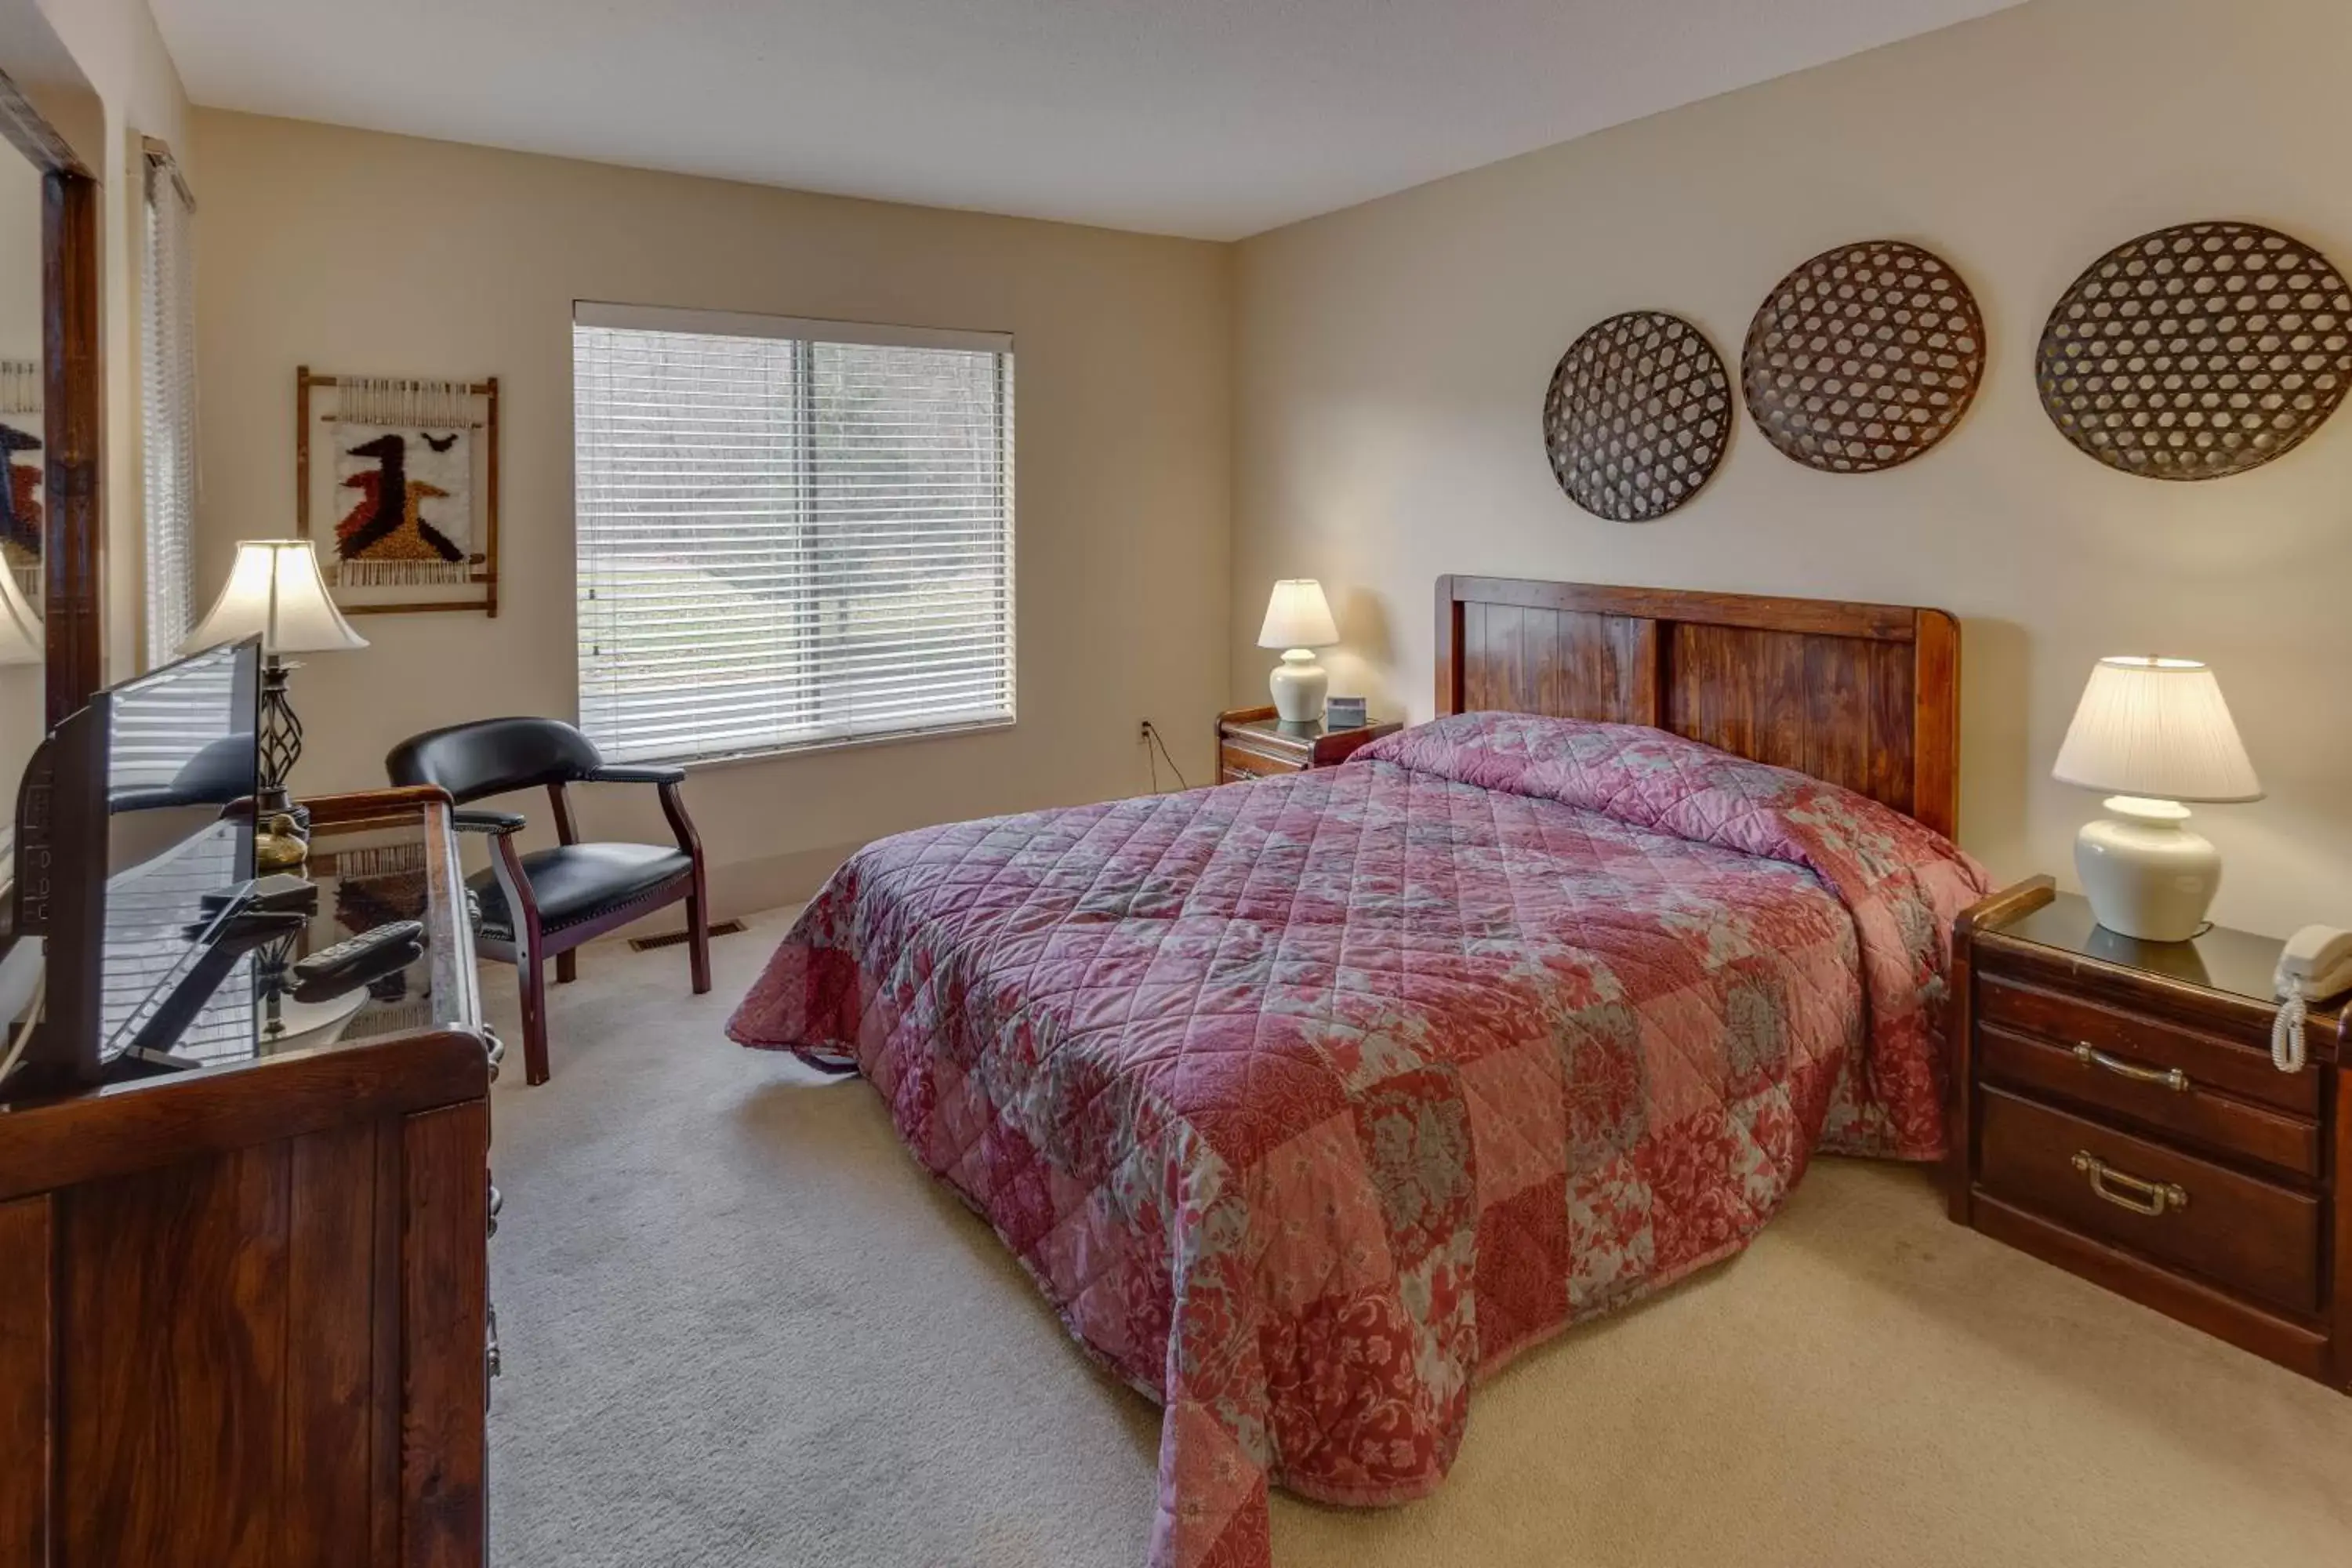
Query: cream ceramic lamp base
{"points": [[2146, 874], [1299, 684], [2150, 734]]}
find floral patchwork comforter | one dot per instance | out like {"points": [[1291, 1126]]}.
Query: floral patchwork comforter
{"points": [[1308, 1101]]}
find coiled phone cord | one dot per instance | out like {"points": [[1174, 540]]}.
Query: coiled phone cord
{"points": [[2286, 1030]]}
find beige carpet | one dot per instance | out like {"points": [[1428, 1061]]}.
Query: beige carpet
{"points": [[740, 1327]]}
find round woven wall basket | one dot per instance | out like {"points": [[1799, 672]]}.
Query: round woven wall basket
{"points": [[2197, 351], [1864, 357], [1638, 416]]}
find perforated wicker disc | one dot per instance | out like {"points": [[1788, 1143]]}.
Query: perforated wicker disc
{"points": [[1864, 357], [1637, 417], [2199, 350]]}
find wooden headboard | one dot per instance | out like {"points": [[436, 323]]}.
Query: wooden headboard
{"points": [[1866, 696]]}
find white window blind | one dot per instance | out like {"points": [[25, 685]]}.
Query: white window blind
{"points": [[789, 533], [167, 359], [157, 727], [161, 723]]}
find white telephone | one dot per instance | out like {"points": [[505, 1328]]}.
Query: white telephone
{"points": [[2316, 967]]}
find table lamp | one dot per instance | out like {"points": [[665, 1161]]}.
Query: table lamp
{"points": [[21, 641], [274, 591], [2153, 733], [1298, 620]]}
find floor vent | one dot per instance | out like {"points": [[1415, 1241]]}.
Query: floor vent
{"points": [[678, 938]]}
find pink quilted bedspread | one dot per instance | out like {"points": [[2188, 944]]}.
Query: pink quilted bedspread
{"points": [[1308, 1101]]}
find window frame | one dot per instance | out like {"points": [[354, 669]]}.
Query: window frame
{"points": [[808, 332]]}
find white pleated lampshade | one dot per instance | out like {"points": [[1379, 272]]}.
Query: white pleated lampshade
{"points": [[21, 637], [275, 590], [2158, 728], [1299, 615]]}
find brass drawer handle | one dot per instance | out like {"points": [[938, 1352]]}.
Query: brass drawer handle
{"points": [[2154, 1199], [2172, 1078]]}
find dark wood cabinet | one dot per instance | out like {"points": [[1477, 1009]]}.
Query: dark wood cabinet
{"points": [[1252, 742], [246, 1310], [2116, 1111]]}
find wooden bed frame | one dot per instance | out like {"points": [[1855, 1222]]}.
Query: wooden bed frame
{"points": [[1866, 696]]}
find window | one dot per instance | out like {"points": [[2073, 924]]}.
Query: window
{"points": [[790, 534], [167, 364]]}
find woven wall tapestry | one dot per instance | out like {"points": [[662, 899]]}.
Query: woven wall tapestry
{"points": [[409, 480], [20, 496], [1637, 417], [1864, 357], [2199, 350]]}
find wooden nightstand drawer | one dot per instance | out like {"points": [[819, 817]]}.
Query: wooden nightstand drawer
{"points": [[1251, 744], [2209, 1061], [2143, 1093], [1240, 762], [2245, 1234]]}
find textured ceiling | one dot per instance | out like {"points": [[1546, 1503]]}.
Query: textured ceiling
{"points": [[1210, 118]]}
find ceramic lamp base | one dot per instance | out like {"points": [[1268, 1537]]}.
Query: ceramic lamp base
{"points": [[1298, 684], [2145, 873]]}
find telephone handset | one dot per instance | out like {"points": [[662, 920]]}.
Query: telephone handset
{"points": [[2316, 967]]}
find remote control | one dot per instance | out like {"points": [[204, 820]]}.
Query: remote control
{"points": [[361, 959]]}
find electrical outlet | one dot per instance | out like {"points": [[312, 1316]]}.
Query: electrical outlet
{"points": [[1143, 733]]}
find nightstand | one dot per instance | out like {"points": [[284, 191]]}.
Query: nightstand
{"points": [[2116, 1113], [1252, 742]]}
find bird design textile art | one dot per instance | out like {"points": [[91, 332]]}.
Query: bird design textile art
{"points": [[20, 497], [412, 520]]}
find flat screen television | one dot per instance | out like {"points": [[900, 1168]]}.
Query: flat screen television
{"points": [[134, 837]]}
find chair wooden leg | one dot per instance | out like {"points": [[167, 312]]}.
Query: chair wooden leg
{"points": [[534, 1018], [698, 897], [567, 966], [530, 952], [697, 932]]}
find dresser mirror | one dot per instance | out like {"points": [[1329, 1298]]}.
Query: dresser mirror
{"points": [[51, 418], [23, 629]]}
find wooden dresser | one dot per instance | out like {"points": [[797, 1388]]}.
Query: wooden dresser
{"points": [[2116, 1113], [1252, 742], [243, 1307]]}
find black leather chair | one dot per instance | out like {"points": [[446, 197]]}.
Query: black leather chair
{"points": [[546, 903]]}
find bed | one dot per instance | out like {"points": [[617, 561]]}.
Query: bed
{"points": [[1310, 1101]]}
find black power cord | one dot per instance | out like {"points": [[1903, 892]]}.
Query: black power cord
{"points": [[1151, 738]]}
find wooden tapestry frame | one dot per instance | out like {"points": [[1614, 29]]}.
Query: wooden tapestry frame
{"points": [[1866, 696], [486, 577]]}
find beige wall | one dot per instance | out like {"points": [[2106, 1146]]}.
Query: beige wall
{"points": [[20, 258], [1391, 360], [367, 254]]}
